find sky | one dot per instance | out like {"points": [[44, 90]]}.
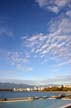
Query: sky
{"points": [[35, 40]]}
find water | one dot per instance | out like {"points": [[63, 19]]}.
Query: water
{"points": [[25, 94], [47, 103]]}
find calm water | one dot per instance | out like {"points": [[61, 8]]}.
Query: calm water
{"points": [[25, 94], [47, 103]]}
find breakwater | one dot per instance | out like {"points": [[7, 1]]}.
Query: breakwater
{"points": [[60, 96]]}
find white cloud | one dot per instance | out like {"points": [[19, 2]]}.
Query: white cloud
{"points": [[54, 9], [19, 60], [60, 25], [53, 46], [68, 13], [25, 68], [53, 5], [65, 25], [42, 3], [61, 3]]}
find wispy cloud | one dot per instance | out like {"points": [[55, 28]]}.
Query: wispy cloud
{"points": [[53, 46], [5, 31], [42, 3], [54, 9], [7, 73], [68, 13], [53, 5], [56, 80], [19, 60]]}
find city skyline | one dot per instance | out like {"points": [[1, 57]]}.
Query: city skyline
{"points": [[35, 40]]}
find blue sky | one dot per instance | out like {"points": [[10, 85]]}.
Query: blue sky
{"points": [[35, 40]]}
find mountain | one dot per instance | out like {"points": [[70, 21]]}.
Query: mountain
{"points": [[13, 85]]}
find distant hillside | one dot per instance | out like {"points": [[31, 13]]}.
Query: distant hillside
{"points": [[12, 85]]}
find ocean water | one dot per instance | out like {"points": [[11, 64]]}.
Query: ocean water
{"points": [[26, 94], [45, 103]]}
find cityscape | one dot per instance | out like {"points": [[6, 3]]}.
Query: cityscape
{"points": [[50, 88]]}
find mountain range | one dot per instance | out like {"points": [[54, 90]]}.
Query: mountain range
{"points": [[13, 85]]}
